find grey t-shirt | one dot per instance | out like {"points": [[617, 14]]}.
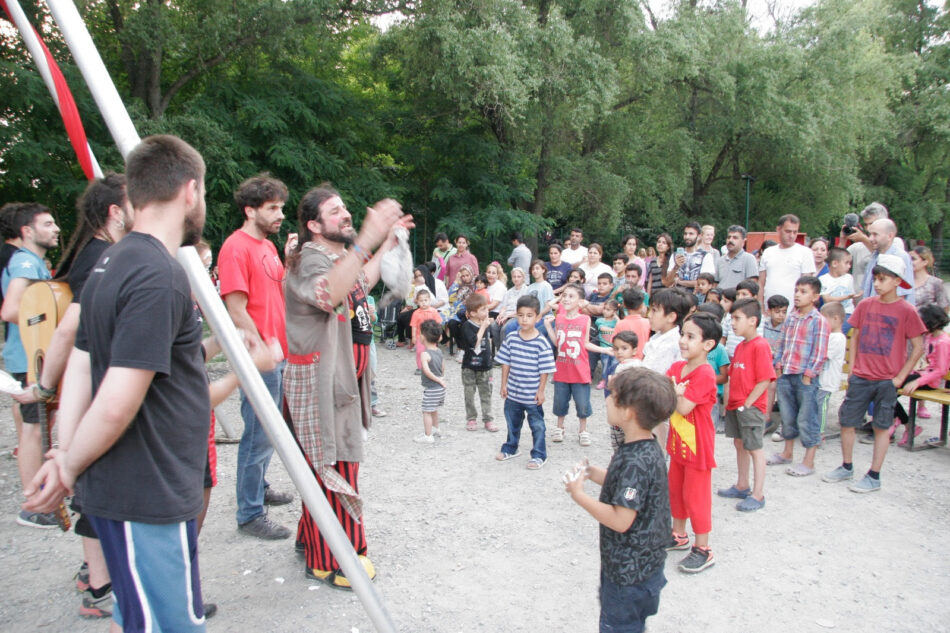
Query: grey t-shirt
{"points": [[435, 366]]}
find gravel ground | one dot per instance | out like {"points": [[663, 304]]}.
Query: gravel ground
{"points": [[463, 543]]}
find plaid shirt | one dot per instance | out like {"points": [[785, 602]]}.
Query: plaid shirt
{"points": [[803, 347]]}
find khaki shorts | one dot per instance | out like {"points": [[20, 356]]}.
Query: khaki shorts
{"points": [[748, 425]]}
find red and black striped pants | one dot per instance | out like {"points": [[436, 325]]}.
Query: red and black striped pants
{"points": [[316, 550]]}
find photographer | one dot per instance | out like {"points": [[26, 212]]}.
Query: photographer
{"points": [[861, 247]]}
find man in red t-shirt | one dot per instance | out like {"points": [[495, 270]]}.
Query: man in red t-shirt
{"points": [[252, 277]]}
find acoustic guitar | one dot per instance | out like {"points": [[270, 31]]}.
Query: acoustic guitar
{"points": [[42, 307]]}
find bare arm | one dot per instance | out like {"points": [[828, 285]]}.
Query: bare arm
{"points": [[756, 392], [236, 303], [761, 296], [617, 518], [10, 311], [916, 351]]}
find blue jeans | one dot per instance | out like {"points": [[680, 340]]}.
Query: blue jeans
{"points": [[625, 608], [798, 404], [514, 415], [255, 450]]}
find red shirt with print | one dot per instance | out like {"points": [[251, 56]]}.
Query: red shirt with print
{"points": [[751, 364], [692, 438], [572, 364]]}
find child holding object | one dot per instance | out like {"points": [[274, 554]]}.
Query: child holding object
{"points": [[526, 362], [633, 508], [433, 382]]}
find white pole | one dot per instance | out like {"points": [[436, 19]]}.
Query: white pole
{"points": [[97, 77], [281, 439], [126, 137], [39, 58]]}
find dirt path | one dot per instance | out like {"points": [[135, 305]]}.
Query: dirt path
{"points": [[465, 544]]}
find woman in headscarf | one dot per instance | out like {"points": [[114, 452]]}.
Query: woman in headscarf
{"points": [[421, 278]]}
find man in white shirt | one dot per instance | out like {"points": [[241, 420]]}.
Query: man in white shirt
{"points": [[861, 247], [574, 252], [782, 265]]}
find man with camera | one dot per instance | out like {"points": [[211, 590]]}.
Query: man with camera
{"points": [[861, 247]]}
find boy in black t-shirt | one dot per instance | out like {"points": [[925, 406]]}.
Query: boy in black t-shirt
{"points": [[634, 504], [475, 339]]}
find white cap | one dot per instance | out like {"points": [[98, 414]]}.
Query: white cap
{"points": [[895, 265]]}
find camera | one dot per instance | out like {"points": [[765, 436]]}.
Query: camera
{"points": [[851, 221]]}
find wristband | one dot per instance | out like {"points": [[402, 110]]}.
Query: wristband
{"points": [[43, 393], [361, 253]]}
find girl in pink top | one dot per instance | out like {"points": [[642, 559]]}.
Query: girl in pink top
{"points": [[937, 357]]}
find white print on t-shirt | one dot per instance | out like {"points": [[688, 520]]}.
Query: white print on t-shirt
{"points": [[569, 343]]}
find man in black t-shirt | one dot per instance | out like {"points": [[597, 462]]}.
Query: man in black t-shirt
{"points": [[137, 457], [634, 505]]}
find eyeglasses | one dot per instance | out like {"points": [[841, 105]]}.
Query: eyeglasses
{"points": [[273, 268]]}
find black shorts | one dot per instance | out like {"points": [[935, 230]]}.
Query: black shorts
{"points": [[30, 412]]}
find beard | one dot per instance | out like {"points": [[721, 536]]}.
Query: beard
{"points": [[193, 227], [689, 242], [267, 228], [344, 235]]}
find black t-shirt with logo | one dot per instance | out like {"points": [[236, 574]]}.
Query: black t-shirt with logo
{"points": [[137, 313], [636, 479]]}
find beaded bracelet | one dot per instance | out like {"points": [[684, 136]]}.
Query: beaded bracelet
{"points": [[359, 251]]}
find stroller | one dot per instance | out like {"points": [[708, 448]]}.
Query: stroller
{"points": [[386, 324]]}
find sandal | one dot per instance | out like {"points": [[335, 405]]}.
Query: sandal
{"points": [[471, 425], [557, 435], [504, 457], [535, 463], [583, 438], [799, 470], [491, 427], [777, 459], [906, 438]]}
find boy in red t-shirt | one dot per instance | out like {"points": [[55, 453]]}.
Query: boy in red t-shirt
{"points": [[691, 440], [750, 375], [568, 332], [423, 313], [880, 364]]}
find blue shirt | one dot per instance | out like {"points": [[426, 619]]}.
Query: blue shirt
{"points": [[526, 360], [27, 265]]}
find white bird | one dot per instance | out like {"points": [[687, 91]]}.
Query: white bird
{"points": [[396, 268]]}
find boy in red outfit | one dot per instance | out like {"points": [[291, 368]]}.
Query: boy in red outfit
{"points": [[691, 441], [750, 375]]}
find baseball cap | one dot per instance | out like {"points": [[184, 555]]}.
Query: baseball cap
{"points": [[894, 265]]}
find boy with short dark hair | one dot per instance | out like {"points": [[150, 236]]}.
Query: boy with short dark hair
{"points": [[633, 509], [801, 354], [747, 289], [691, 443], [632, 298], [750, 375], [526, 362], [704, 283], [667, 311], [433, 382], [476, 344], [883, 325], [837, 285]]}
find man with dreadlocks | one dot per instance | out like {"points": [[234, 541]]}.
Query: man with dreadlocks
{"points": [[103, 217], [327, 380]]}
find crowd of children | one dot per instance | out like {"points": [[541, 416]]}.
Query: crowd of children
{"points": [[692, 363]]}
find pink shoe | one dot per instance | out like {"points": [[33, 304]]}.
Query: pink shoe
{"points": [[922, 411], [906, 438], [890, 431], [600, 386]]}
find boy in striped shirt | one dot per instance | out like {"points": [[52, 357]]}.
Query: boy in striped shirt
{"points": [[526, 361]]}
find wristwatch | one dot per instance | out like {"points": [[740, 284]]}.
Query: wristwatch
{"points": [[742, 408]]}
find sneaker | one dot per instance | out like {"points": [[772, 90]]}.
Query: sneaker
{"points": [[771, 425], [734, 493], [697, 560], [600, 385], [865, 484], [583, 438], [43, 520], [678, 541], [750, 504], [557, 435], [459, 356], [424, 439], [777, 437], [92, 607], [378, 413], [263, 528], [82, 577], [437, 432], [275, 498], [866, 438], [535, 463], [838, 474], [210, 609]]}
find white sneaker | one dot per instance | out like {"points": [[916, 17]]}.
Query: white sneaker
{"points": [[777, 437], [437, 432], [424, 439]]}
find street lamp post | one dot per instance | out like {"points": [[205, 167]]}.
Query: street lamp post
{"points": [[749, 179]]}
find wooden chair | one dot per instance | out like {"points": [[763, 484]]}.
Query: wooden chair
{"points": [[939, 396]]}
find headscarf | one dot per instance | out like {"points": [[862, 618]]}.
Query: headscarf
{"points": [[427, 275], [459, 292]]}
